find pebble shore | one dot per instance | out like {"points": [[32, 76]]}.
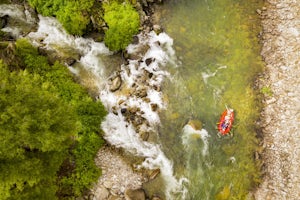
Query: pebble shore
{"points": [[281, 114]]}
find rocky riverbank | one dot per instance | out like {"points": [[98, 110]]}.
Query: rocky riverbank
{"points": [[281, 114]]}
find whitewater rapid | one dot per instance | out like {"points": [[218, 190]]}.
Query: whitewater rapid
{"points": [[120, 132]]}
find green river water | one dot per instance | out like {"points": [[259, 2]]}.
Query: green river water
{"points": [[218, 61]]}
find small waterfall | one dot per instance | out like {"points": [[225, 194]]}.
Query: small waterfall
{"points": [[20, 21], [51, 35]]}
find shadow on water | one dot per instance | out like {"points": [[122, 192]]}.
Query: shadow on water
{"points": [[219, 57]]}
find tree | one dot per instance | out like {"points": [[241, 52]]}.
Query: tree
{"points": [[78, 170], [35, 131], [73, 15], [123, 22]]}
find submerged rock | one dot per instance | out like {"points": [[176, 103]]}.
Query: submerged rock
{"points": [[196, 124], [138, 194]]}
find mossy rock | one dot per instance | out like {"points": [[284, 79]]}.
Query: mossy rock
{"points": [[196, 124]]}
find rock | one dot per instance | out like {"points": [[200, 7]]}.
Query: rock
{"points": [[155, 198], [101, 193], [154, 107], [115, 83], [144, 135], [154, 174], [141, 93], [157, 29], [70, 61], [148, 61], [196, 124], [135, 40], [108, 184], [3, 21], [112, 197], [123, 110], [138, 194]]}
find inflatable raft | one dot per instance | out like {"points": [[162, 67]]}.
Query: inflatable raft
{"points": [[226, 121]]}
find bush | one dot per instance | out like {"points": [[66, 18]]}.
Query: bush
{"points": [[85, 168], [73, 15], [123, 22]]}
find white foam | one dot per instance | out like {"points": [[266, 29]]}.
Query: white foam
{"points": [[51, 34], [14, 11], [189, 133], [207, 75], [22, 19]]}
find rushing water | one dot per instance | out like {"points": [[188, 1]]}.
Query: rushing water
{"points": [[214, 64]]}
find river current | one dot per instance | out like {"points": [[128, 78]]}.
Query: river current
{"points": [[208, 58]]}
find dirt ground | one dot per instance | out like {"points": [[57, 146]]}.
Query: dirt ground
{"points": [[281, 115]]}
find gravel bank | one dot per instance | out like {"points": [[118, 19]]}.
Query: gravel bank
{"points": [[281, 115]]}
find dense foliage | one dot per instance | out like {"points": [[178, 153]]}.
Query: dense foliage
{"points": [[123, 22], [49, 130], [73, 15], [33, 137]]}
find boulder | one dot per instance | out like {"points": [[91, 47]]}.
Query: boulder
{"points": [[101, 193], [137, 194], [115, 83]]}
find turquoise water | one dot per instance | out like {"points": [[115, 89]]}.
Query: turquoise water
{"points": [[218, 60]]}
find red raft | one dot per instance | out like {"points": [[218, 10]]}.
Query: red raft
{"points": [[226, 121]]}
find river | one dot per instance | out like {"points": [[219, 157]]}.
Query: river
{"points": [[209, 58], [218, 60]]}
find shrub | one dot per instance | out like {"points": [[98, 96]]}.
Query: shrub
{"points": [[123, 22]]}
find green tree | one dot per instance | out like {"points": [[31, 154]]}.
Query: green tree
{"points": [[123, 22], [73, 15], [46, 7], [74, 18], [35, 131], [78, 171]]}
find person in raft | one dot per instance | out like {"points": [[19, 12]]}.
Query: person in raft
{"points": [[226, 122]]}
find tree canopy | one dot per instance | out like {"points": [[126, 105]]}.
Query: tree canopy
{"points": [[123, 22], [36, 129], [73, 15], [49, 130]]}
